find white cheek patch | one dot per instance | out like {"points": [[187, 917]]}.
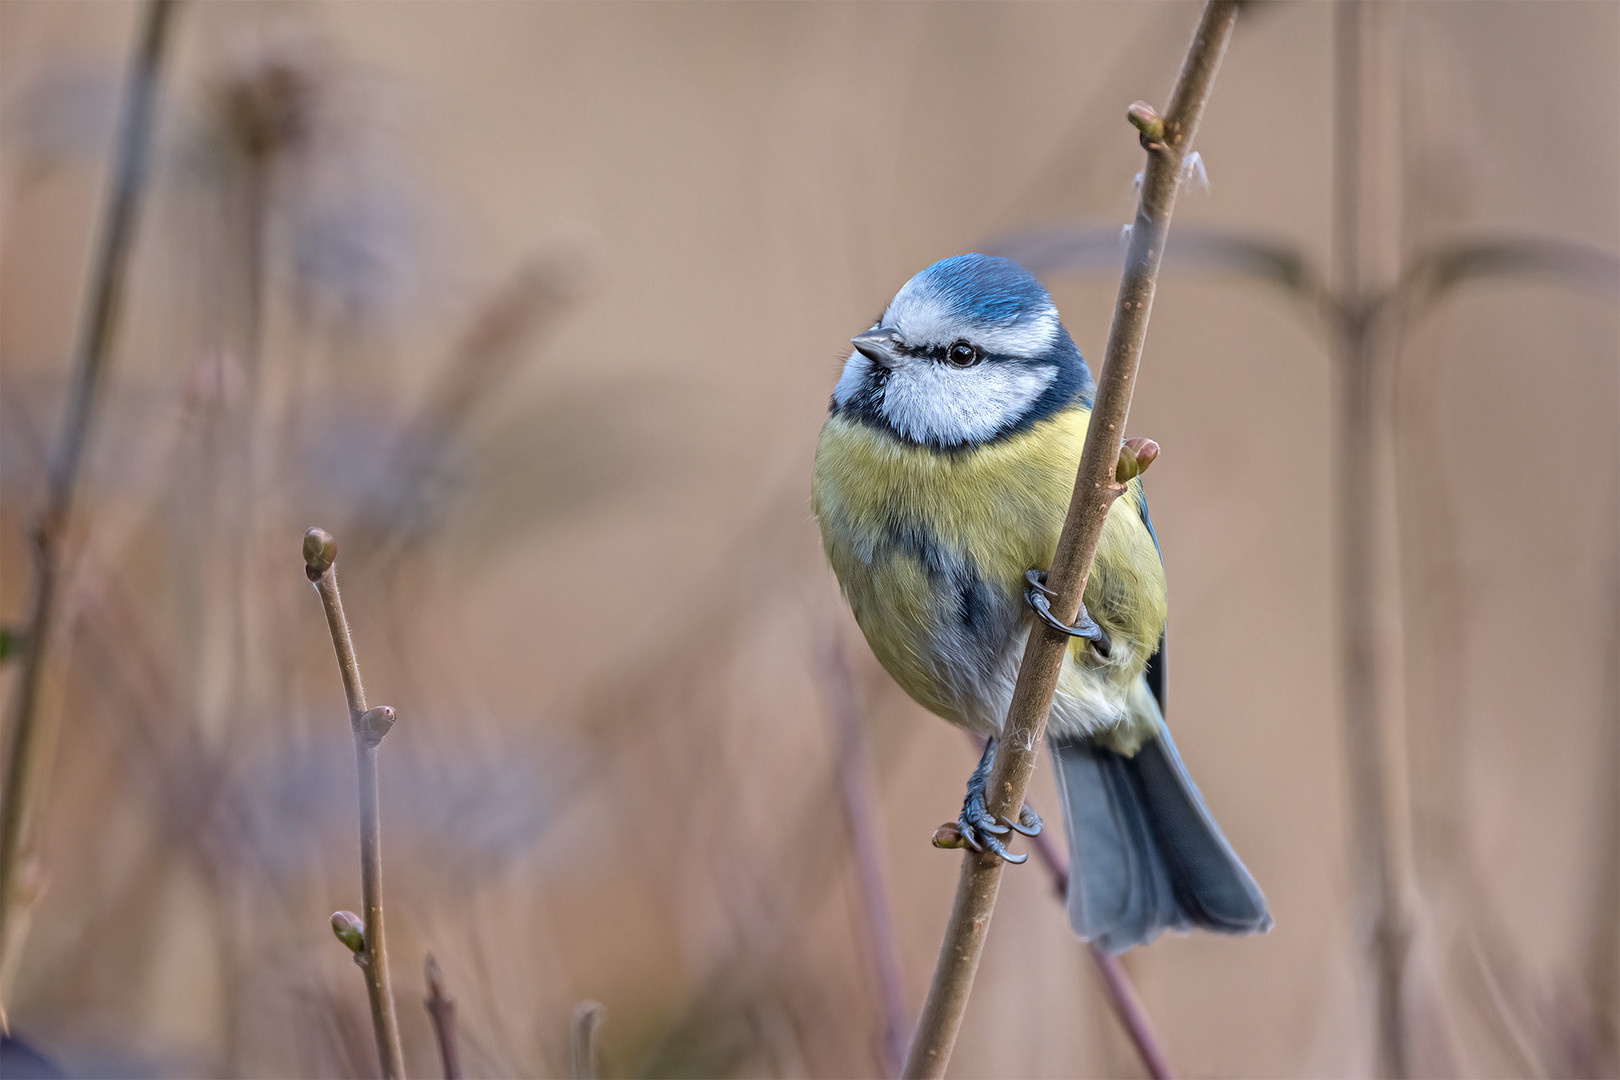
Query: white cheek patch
{"points": [[856, 370], [929, 402], [923, 318]]}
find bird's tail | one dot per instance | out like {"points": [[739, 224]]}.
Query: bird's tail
{"points": [[1145, 854]]}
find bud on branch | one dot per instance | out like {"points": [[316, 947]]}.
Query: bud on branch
{"points": [[1134, 458], [349, 930]]}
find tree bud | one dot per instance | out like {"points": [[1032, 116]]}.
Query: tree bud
{"points": [[1146, 119], [320, 552], [374, 724], [1134, 458], [348, 928]]}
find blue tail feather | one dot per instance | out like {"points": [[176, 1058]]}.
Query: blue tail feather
{"points": [[1145, 853]]}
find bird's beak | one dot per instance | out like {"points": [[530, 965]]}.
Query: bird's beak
{"points": [[879, 346]]}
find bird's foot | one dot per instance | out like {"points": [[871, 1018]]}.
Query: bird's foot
{"points": [[981, 830], [1037, 594]]}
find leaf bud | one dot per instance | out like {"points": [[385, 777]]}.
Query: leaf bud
{"points": [[375, 723], [1146, 119], [348, 928], [320, 552], [1134, 458]]}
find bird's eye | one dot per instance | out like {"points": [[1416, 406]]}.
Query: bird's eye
{"points": [[962, 355]]}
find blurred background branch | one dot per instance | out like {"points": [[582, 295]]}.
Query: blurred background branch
{"points": [[29, 744], [588, 1016], [441, 1009]]}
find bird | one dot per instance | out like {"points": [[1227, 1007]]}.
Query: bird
{"points": [[942, 476]]}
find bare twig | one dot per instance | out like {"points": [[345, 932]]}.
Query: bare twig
{"points": [[1094, 492], [1121, 993], [369, 727], [860, 814], [441, 1009], [24, 754], [588, 1016]]}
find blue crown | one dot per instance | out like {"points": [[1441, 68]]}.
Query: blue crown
{"points": [[986, 289]]}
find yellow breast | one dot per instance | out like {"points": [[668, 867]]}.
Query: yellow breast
{"points": [[931, 547]]}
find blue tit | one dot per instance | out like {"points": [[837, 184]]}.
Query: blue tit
{"points": [[942, 477]]}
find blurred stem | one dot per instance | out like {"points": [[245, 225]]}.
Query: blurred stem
{"points": [[25, 764], [1132, 1015], [441, 1009], [588, 1017], [1603, 970], [1094, 492], [320, 558], [1375, 776], [860, 818]]}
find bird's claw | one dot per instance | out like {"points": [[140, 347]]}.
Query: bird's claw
{"points": [[980, 830], [1028, 823], [983, 833], [1084, 626]]}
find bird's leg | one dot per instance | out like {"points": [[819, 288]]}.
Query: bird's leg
{"points": [[981, 830], [1036, 594]]}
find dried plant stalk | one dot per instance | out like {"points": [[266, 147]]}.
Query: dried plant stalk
{"points": [[26, 744], [1168, 140], [369, 727], [1380, 827]]}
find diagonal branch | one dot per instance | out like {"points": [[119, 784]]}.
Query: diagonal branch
{"points": [[1117, 985], [1094, 492]]}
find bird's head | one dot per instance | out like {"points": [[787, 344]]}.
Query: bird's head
{"points": [[968, 351]]}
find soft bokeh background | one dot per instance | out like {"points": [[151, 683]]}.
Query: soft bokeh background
{"points": [[537, 308]]}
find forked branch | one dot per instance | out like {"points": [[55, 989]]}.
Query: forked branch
{"points": [[1167, 139]]}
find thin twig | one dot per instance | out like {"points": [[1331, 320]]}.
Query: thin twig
{"points": [[860, 817], [1094, 492], [369, 727], [441, 1009], [24, 769], [1117, 985], [588, 1016]]}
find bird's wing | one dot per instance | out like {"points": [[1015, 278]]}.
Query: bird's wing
{"points": [[1153, 674]]}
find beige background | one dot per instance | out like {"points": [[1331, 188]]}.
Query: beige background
{"points": [[613, 776]]}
